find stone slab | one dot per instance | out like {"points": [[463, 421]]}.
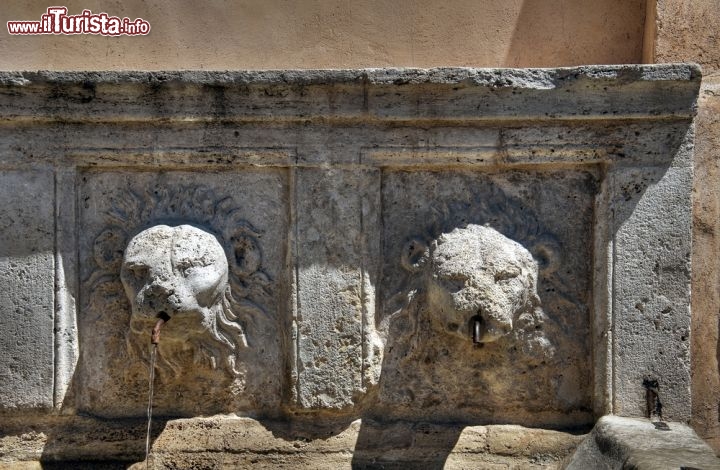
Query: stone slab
{"points": [[333, 300], [639, 444], [651, 289], [27, 239], [596, 92], [233, 442]]}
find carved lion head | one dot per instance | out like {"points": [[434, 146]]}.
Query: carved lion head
{"points": [[182, 272], [476, 274]]}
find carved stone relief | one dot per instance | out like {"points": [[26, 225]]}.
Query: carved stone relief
{"points": [[452, 246], [173, 245], [483, 259], [478, 283], [182, 273]]}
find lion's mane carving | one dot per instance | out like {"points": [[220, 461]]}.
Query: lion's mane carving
{"points": [[189, 254]]}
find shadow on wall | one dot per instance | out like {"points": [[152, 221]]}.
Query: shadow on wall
{"points": [[380, 441], [577, 32], [383, 442], [400, 446]]}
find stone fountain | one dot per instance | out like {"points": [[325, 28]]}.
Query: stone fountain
{"points": [[382, 267]]}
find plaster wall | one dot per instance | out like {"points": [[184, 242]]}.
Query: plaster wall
{"points": [[277, 34]]}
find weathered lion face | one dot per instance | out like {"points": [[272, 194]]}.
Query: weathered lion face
{"points": [[181, 271], [476, 273]]}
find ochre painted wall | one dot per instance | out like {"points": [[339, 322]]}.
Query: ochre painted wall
{"points": [[281, 34], [689, 31]]}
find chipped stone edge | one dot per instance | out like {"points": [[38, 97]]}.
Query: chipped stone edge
{"points": [[531, 78]]}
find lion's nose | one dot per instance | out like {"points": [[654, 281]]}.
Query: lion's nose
{"points": [[157, 296], [160, 290]]}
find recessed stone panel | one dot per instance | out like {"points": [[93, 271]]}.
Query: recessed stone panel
{"points": [[224, 355], [533, 365]]}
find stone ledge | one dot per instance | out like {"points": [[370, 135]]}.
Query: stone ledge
{"points": [[231, 442], [366, 95], [633, 443]]}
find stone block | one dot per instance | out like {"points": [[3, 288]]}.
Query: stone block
{"points": [[619, 443], [651, 289], [27, 239], [335, 303]]}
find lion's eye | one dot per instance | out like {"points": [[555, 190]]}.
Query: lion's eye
{"points": [[186, 266], [138, 271], [508, 273], [455, 283]]}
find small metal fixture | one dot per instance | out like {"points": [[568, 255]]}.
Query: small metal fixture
{"points": [[476, 325], [155, 335]]}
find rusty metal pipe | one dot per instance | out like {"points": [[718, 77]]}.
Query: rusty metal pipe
{"points": [[155, 335]]}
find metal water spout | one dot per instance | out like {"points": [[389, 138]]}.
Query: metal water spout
{"points": [[476, 329], [163, 318]]}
